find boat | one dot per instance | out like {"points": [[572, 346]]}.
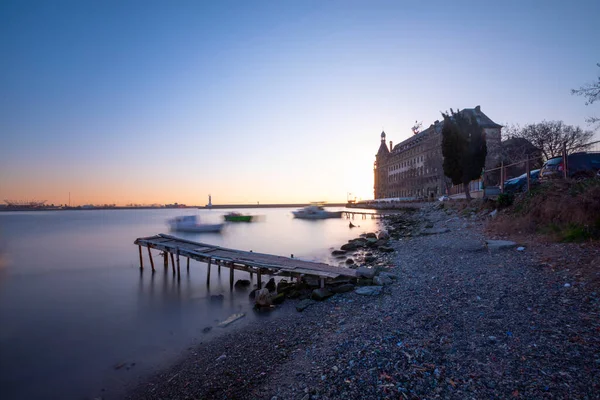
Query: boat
{"points": [[316, 211], [190, 223], [237, 217]]}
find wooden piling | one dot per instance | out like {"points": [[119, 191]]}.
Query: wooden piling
{"points": [[178, 265], [166, 260], [219, 264], [141, 258], [151, 260], [259, 280], [208, 273], [172, 263], [188, 264], [231, 276]]}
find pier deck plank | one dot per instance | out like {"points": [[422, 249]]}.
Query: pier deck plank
{"points": [[243, 260]]}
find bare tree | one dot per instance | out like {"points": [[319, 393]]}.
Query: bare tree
{"points": [[591, 92], [552, 136]]}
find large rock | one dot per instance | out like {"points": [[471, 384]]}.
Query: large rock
{"points": [[364, 282], [321, 294], [283, 286], [386, 249], [338, 252], [497, 245], [263, 298], [349, 261], [350, 246], [370, 259], [383, 235], [365, 272], [389, 275], [347, 287], [369, 290], [304, 304], [242, 283], [271, 285], [279, 298], [371, 235], [382, 280]]}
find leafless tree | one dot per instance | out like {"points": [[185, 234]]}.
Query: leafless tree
{"points": [[552, 136], [591, 92]]}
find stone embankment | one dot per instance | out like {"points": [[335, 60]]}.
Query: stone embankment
{"points": [[447, 314]]}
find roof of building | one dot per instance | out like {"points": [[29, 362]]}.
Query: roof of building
{"points": [[483, 120], [383, 149]]}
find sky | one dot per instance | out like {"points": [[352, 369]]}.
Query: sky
{"points": [[264, 101]]}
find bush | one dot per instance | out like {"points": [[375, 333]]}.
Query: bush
{"points": [[505, 199], [565, 210]]}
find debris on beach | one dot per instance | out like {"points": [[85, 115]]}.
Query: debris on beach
{"points": [[231, 319]]}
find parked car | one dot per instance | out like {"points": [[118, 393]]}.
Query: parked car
{"points": [[579, 165], [519, 183]]}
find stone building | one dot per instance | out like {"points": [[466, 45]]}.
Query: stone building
{"points": [[413, 168]]}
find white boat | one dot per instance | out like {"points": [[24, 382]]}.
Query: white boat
{"points": [[190, 223], [315, 211]]}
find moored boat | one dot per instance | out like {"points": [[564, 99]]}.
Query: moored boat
{"points": [[190, 223], [316, 211], [237, 217]]}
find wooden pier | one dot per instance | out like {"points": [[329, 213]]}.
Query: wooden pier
{"points": [[255, 263], [363, 214]]}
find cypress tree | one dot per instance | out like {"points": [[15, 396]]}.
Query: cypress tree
{"points": [[464, 148]]}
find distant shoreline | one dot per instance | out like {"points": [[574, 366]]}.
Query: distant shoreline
{"points": [[215, 206]]}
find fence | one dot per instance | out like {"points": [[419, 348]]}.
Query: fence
{"points": [[502, 179]]}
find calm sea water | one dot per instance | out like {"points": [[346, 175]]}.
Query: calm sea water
{"points": [[74, 304]]}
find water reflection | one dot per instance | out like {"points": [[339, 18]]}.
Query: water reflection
{"points": [[74, 303]]}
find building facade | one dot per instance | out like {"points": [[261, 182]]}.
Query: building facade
{"points": [[413, 168]]}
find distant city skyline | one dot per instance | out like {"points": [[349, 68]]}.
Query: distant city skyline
{"points": [[270, 102]]}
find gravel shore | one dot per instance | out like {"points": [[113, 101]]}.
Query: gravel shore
{"points": [[460, 322]]}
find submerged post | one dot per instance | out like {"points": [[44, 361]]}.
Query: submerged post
{"points": [[178, 265], [172, 263], [231, 276], [166, 260], [208, 273], [141, 259], [151, 260], [188, 264], [219, 264], [258, 277]]}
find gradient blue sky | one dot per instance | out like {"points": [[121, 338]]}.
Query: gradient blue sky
{"points": [[270, 101]]}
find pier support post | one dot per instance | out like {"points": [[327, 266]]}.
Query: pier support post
{"points": [[172, 263], [259, 280], [219, 264], [231, 276], [208, 272], [141, 259], [188, 264], [151, 260], [178, 264], [166, 260]]}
